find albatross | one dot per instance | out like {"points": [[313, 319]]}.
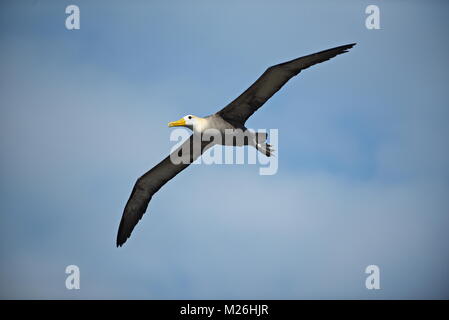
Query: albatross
{"points": [[231, 117]]}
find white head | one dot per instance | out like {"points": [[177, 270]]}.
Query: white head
{"points": [[188, 121]]}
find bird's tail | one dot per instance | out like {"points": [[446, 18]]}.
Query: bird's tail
{"points": [[266, 149]]}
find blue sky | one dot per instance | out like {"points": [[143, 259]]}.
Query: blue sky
{"points": [[363, 153]]}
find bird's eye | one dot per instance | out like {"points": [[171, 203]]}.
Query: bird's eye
{"points": [[190, 117]]}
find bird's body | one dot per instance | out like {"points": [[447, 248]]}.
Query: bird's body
{"points": [[214, 122], [227, 124], [228, 134]]}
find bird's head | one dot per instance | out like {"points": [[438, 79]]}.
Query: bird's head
{"points": [[188, 121]]}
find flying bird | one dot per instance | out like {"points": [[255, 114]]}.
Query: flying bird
{"points": [[232, 117]]}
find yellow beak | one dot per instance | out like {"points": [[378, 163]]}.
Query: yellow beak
{"points": [[180, 122]]}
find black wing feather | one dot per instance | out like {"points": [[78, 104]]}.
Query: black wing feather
{"points": [[148, 184], [239, 110]]}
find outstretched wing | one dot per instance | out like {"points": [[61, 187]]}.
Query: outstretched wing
{"points": [[148, 184], [239, 110]]}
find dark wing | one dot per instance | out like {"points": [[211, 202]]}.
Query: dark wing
{"points": [[148, 184], [239, 110]]}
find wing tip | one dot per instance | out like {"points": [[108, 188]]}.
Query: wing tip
{"points": [[120, 242], [348, 46], [121, 235]]}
